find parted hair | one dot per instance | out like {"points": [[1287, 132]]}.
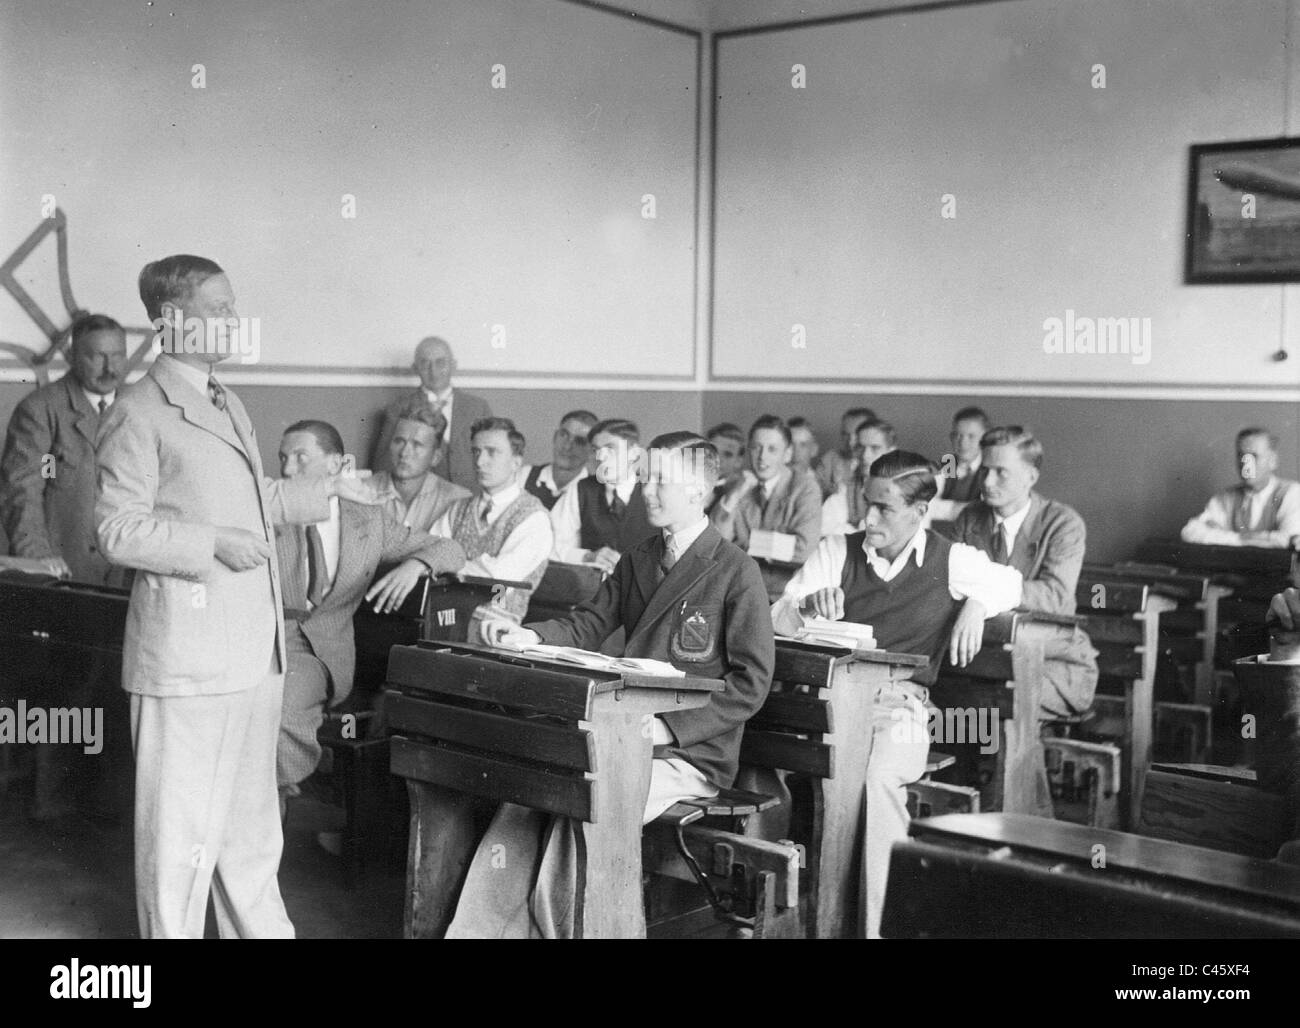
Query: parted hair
{"points": [[915, 475], [620, 427], [585, 416], [1247, 433], [417, 408], [1031, 450], [698, 451], [172, 279], [505, 425], [726, 430], [883, 427], [775, 423], [326, 434], [972, 414]]}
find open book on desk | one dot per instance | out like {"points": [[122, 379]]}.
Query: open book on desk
{"points": [[837, 633], [603, 662]]}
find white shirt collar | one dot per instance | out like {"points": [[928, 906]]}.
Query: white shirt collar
{"points": [[94, 398], [502, 499], [443, 397], [681, 541], [972, 467], [887, 570], [1012, 524], [192, 375], [546, 477], [769, 487], [624, 489], [1257, 500]]}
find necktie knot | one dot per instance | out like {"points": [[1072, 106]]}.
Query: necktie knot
{"points": [[1000, 543], [616, 505], [485, 510], [103, 406], [216, 393]]}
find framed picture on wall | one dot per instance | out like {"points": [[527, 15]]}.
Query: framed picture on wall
{"points": [[1243, 212]]}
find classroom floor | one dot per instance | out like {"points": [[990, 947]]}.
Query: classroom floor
{"points": [[72, 879]]}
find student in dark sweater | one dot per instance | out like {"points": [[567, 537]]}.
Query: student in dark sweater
{"points": [[921, 594], [602, 516]]}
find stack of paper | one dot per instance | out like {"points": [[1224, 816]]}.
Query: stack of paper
{"points": [[772, 545], [837, 633], [603, 662]]}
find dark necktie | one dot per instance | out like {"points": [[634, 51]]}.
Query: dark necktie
{"points": [[999, 554], [317, 570], [103, 406], [617, 506], [216, 393], [483, 513]]}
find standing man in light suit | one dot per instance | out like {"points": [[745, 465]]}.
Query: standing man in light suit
{"points": [[182, 499], [435, 364]]}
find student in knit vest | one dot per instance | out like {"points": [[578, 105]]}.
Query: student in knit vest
{"points": [[1262, 510], [602, 516], [503, 530], [921, 594]]}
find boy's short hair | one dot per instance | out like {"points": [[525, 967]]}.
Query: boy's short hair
{"points": [[914, 474], [327, 436], [883, 427], [1247, 433], [417, 408], [500, 425], [726, 430], [701, 454], [1031, 450], [172, 280], [776, 424], [973, 414], [620, 427]]}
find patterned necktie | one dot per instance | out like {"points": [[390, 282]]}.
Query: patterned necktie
{"points": [[216, 393], [999, 554], [1244, 511], [317, 570], [483, 513], [671, 556]]}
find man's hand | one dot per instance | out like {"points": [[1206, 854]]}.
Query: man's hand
{"points": [[967, 634], [1285, 610], [389, 592], [58, 567], [826, 603], [358, 490], [506, 635], [240, 550], [606, 558]]}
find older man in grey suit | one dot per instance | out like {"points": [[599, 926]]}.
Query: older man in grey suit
{"points": [[183, 500], [435, 364], [326, 569], [47, 474], [1045, 541]]}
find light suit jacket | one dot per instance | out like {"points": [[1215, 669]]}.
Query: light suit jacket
{"points": [[708, 617], [368, 536], [456, 464], [172, 469], [52, 513]]}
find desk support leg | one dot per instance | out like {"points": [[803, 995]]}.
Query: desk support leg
{"points": [[443, 841]]}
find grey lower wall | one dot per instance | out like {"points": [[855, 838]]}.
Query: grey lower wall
{"points": [[1132, 468]]}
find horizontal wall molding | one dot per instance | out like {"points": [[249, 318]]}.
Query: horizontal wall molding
{"points": [[327, 378]]}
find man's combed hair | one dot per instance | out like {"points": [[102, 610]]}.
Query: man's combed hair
{"points": [[172, 279], [620, 427], [88, 323], [726, 430], [859, 414], [417, 408], [326, 434], [1249, 433], [697, 453], [972, 414], [585, 416], [799, 421], [776, 424], [883, 427], [915, 475], [1031, 450], [505, 425]]}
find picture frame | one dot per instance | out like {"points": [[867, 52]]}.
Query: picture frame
{"points": [[1243, 212]]}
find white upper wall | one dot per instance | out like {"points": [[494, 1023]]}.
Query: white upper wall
{"points": [[475, 207], [1067, 197]]}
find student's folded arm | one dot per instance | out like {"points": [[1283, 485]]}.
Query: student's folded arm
{"points": [[971, 574], [128, 532], [401, 542], [751, 659], [297, 501], [806, 523]]}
